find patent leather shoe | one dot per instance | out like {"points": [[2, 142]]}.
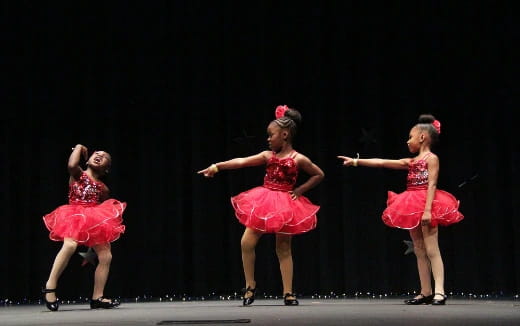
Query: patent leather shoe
{"points": [[422, 299], [439, 302], [249, 300], [99, 303], [51, 305], [290, 302]]}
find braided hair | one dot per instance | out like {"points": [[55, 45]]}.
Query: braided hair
{"points": [[290, 120]]}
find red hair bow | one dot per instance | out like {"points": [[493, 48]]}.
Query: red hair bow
{"points": [[437, 125], [280, 111]]}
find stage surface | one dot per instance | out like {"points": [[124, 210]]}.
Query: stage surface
{"points": [[384, 312]]}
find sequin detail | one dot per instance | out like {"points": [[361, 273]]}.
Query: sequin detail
{"points": [[417, 174], [86, 191], [281, 174]]}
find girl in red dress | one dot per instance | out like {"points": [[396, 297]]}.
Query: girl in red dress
{"points": [[422, 207], [277, 206], [90, 218]]}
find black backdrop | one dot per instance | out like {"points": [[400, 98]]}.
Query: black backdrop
{"points": [[168, 87]]}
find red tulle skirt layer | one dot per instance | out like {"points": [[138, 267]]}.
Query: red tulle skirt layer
{"points": [[88, 225], [405, 210], [271, 211]]}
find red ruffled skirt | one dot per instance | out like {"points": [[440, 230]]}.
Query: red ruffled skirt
{"points": [[272, 211], [405, 210], [88, 225]]}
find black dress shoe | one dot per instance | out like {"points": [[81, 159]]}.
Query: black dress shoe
{"points": [[423, 299], [249, 300], [100, 304], [290, 302], [439, 302], [51, 305]]}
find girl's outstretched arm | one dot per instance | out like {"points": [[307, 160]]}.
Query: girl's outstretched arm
{"points": [[400, 164], [236, 163]]}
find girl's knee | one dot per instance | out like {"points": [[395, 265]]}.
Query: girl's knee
{"points": [[419, 250], [247, 245], [105, 257], [283, 249], [249, 240], [104, 253], [283, 252], [432, 252]]}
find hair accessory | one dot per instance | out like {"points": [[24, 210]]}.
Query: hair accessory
{"points": [[280, 111], [437, 125]]}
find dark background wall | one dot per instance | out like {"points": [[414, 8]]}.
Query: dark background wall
{"points": [[168, 87]]}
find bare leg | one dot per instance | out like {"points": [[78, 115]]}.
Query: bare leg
{"points": [[248, 244], [60, 263], [431, 242], [101, 275], [283, 251], [423, 263]]}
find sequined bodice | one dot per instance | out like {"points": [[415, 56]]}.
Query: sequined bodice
{"points": [[281, 174], [86, 191], [417, 174]]}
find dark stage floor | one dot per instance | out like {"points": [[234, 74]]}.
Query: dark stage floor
{"points": [[271, 312]]}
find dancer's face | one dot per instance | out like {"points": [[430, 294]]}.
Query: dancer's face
{"points": [[415, 139], [100, 160], [276, 136]]}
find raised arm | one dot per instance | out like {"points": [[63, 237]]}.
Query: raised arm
{"points": [[75, 157], [316, 175], [400, 164], [236, 163]]}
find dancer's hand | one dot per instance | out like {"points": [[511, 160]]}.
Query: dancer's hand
{"points": [[84, 151], [209, 172], [426, 218], [347, 161], [295, 194]]}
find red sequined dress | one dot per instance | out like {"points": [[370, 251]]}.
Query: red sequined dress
{"points": [[269, 208], [405, 210], [85, 218]]}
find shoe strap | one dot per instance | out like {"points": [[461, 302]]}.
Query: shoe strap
{"points": [[48, 290], [249, 289]]}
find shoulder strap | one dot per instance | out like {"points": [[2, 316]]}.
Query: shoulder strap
{"points": [[426, 156]]}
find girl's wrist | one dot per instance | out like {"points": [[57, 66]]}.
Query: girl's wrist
{"points": [[355, 161]]}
